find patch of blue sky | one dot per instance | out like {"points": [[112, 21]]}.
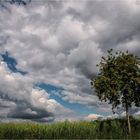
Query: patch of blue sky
{"points": [[56, 94], [11, 63]]}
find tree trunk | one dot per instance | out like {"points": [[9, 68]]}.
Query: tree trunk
{"points": [[128, 120]]}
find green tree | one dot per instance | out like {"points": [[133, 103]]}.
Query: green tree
{"points": [[118, 81]]}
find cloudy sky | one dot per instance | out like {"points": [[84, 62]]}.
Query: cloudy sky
{"points": [[49, 50]]}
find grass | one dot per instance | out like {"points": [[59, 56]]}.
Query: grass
{"points": [[107, 129]]}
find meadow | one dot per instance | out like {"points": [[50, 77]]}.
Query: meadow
{"points": [[106, 129]]}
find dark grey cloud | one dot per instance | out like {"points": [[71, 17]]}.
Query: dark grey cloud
{"points": [[19, 2], [23, 112], [21, 109]]}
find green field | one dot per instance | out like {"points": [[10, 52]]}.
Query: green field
{"points": [[107, 129]]}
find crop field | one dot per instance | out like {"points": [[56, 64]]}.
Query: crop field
{"points": [[107, 129]]}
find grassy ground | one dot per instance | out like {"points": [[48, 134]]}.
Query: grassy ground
{"points": [[109, 129]]}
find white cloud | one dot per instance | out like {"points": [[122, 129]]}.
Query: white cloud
{"points": [[93, 117], [78, 98], [60, 43], [137, 113], [20, 100]]}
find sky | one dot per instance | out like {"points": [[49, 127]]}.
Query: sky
{"points": [[49, 50]]}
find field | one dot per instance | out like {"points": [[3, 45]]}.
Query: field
{"points": [[107, 129]]}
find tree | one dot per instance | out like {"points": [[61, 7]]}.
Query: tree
{"points": [[118, 81]]}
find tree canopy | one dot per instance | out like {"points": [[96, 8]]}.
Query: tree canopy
{"points": [[118, 80]]}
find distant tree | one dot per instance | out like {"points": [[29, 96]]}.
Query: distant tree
{"points": [[118, 81]]}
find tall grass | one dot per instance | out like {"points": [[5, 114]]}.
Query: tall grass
{"points": [[107, 129]]}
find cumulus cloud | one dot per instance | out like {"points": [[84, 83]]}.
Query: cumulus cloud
{"points": [[60, 43], [93, 117], [19, 99]]}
